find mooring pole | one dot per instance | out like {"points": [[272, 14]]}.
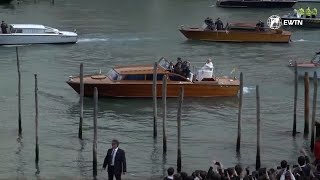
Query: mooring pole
{"points": [[164, 112], [294, 131], [19, 91], [306, 104], [81, 101], [315, 93], [181, 94], [239, 112], [36, 118], [154, 92], [258, 162], [95, 112]]}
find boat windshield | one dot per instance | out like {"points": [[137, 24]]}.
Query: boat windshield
{"points": [[316, 59], [164, 63], [113, 75]]}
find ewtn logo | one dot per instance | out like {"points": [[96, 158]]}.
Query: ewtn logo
{"points": [[275, 22]]}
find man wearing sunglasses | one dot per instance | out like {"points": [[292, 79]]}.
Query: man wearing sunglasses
{"points": [[116, 161]]}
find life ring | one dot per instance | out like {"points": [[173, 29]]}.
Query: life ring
{"points": [[98, 77]]}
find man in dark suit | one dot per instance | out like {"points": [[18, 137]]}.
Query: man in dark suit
{"points": [[116, 161]]}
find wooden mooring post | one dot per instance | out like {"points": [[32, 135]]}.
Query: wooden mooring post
{"points": [[258, 161], [154, 93], [181, 94], [239, 112], [306, 104], [315, 92], [19, 91], [95, 112], [294, 131], [81, 101], [164, 112], [36, 118]]}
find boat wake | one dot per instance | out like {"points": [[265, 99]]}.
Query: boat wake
{"points": [[304, 40], [112, 39], [247, 90]]}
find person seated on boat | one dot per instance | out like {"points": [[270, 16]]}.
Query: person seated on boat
{"points": [[308, 12], [260, 26], [314, 13], [186, 69], [208, 21], [178, 66], [295, 13], [208, 65], [218, 24], [4, 27], [171, 67], [301, 12]]}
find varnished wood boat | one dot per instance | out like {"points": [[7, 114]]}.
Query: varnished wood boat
{"points": [[309, 66], [256, 3], [238, 32], [137, 81]]}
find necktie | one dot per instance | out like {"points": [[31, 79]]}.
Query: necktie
{"points": [[112, 153]]}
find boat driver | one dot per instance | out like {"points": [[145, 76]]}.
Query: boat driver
{"points": [[4, 27], [208, 21]]}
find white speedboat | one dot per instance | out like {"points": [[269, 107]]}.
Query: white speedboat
{"points": [[310, 67], [36, 34]]}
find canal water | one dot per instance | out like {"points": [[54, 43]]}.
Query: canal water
{"points": [[113, 32]]}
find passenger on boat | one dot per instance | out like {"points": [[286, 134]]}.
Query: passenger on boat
{"points": [[186, 69], [308, 12], [4, 27], [171, 67], [314, 13], [178, 66], [301, 12], [208, 65], [208, 21], [295, 13], [260, 26], [218, 24]]}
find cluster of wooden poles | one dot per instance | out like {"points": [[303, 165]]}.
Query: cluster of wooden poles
{"points": [[164, 113]]}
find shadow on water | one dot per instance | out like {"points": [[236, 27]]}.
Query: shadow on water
{"points": [[132, 106], [20, 167]]}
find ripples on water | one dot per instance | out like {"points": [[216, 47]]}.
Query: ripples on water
{"points": [[142, 32]]}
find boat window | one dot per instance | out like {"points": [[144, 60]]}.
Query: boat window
{"points": [[13, 30], [134, 77], [149, 77], [113, 75], [164, 63], [175, 77], [33, 31]]}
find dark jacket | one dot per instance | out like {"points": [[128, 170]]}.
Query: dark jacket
{"points": [[119, 161]]}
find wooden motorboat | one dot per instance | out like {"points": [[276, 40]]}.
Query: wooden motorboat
{"points": [[310, 67], [307, 22], [137, 81], [256, 3], [238, 32], [36, 34]]}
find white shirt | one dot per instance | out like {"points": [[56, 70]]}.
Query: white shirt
{"points": [[170, 177], [208, 66], [114, 155]]}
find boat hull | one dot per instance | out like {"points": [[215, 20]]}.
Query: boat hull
{"points": [[9, 39], [307, 22], [237, 36], [145, 90], [256, 4], [310, 70]]}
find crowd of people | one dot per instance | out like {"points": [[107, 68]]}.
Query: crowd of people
{"points": [[308, 13], [303, 170]]}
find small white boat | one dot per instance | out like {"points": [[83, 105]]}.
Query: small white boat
{"points": [[36, 34], [310, 67]]}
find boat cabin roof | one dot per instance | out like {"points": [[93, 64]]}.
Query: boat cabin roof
{"points": [[139, 69], [28, 26]]}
